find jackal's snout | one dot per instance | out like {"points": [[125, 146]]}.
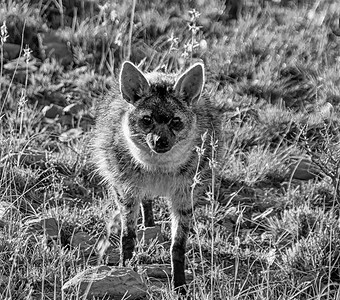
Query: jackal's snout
{"points": [[160, 142]]}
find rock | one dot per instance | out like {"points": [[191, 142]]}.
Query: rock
{"points": [[74, 108], [60, 51], [157, 274], [112, 282], [326, 110], [112, 256], [150, 233], [229, 220], [2, 224], [55, 97], [86, 122], [37, 158], [20, 68], [160, 274], [84, 242], [11, 51], [234, 8], [280, 18], [303, 169], [70, 135], [4, 280], [7, 213], [66, 120], [140, 50], [20, 30], [52, 146], [21, 65], [48, 226], [157, 270], [52, 111], [53, 46]]}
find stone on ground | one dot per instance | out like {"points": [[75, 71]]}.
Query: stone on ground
{"points": [[112, 282]]}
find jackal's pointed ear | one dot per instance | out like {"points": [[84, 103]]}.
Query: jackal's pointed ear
{"points": [[132, 82], [190, 84]]}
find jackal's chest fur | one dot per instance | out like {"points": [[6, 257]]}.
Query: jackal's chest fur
{"points": [[164, 185], [154, 174]]}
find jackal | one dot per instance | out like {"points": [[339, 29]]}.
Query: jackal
{"points": [[148, 129]]}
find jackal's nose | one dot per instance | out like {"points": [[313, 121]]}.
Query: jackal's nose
{"points": [[161, 145]]}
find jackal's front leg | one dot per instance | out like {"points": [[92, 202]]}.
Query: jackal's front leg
{"points": [[181, 217], [129, 214]]}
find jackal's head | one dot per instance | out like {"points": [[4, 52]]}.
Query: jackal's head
{"points": [[161, 123]]}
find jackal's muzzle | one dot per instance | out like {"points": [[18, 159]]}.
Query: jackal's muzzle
{"points": [[159, 143]]}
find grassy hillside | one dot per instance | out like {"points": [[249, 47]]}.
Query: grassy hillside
{"points": [[269, 225]]}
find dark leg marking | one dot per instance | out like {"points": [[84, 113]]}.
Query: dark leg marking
{"points": [[148, 213], [129, 214], [180, 229]]}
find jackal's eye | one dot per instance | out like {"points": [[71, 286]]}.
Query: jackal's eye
{"points": [[176, 123], [147, 120]]}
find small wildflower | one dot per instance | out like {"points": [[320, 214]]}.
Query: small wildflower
{"points": [[104, 7], [213, 143], [194, 15], [189, 47], [185, 55], [237, 242], [173, 41], [114, 15], [271, 257], [3, 33], [194, 28], [204, 136], [22, 101], [203, 45], [27, 54], [197, 180], [118, 39], [163, 67], [212, 164], [200, 151]]}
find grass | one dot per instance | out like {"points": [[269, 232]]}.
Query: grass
{"points": [[261, 234]]}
